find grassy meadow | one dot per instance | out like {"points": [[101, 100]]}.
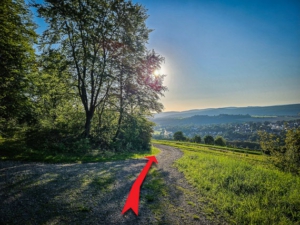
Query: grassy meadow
{"points": [[245, 188]]}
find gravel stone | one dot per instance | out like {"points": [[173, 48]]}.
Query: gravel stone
{"points": [[89, 193]]}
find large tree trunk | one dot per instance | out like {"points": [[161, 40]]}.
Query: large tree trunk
{"points": [[121, 108], [87, 126], [119, 125]]}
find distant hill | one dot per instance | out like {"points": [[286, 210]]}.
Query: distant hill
{"points": [[278, 110], [201, 120]]}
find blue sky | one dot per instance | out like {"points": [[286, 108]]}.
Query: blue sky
{"points": [[226, 53]]}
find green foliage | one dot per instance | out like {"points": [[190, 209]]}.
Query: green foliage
{"points": [[270, 143], [104, 43], [196, 139], [17, 60], [245, 190], [285, 155], [55, 140], [209, 140], [92, 85], [220, 141], [178, 136], [16, 150], [135, 134], [292, 154]]}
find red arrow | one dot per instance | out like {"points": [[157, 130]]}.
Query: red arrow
{"points": [[132, 201]]}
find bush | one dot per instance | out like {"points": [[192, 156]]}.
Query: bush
{"points": [[196, 139], [292, 150], [209, 140], [55, 140], [178, 136], [81, 145], [220, 141], [135, 134], [285, 155]]}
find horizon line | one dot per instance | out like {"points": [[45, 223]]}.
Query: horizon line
{"points": [[230, 107]]}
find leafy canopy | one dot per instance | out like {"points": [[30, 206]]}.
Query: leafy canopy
{"points": [[17, 60]]}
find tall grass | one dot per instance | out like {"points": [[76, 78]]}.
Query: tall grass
{"points": [[243, 191]]}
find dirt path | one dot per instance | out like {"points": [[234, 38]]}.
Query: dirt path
{"points": [[91, 193], [182, 204]]}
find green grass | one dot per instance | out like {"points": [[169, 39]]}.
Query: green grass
{"points": [[104, 182], [156, 183], [212, 147], [195, 217], [11, 150], [218, 151], [191, 203], [246, 190], [156, 189]]}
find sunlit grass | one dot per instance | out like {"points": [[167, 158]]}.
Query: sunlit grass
{"points": [[213, 147], [245, 190]]}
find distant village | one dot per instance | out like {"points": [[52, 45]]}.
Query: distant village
{"points": [[232, 132]]}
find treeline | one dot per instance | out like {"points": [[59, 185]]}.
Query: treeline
{"points": [[208, 139], [283, 151], [92, 83]]}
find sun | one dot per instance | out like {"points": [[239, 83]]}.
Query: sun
{"points": [[156, 73]]}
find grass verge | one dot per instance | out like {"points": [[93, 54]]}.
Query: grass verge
{"points": [[18, 152], [153, 191], [245, 190], [211, 147]]}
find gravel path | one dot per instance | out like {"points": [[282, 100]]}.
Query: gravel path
{"points": [[183, 199], [90, 193]]}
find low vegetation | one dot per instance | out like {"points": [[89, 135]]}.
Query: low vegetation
{"points": [[153, 190], [12, 150], [246, 189], [210, 147]]}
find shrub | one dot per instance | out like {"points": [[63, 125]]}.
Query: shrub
{"points": [[220, 141], [135, 134], [209, 140], [285, 155], [196, 139], [55, 140], [178, 136]]}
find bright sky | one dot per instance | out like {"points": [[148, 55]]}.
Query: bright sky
{"points": [[226, 52]]}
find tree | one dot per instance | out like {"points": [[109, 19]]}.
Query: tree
{"points": [[292, 145], [270, 144], [209, 140], [178, 136], [139, 90], [284, 154], [104, 42], [17, 59], [196, 139], [220, 141]]}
